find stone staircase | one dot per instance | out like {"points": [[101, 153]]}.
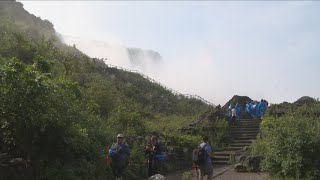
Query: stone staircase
{"points": [[243, 133]]}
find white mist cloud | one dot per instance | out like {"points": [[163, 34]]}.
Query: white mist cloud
{"points": [[116, 54], [217, 49]]}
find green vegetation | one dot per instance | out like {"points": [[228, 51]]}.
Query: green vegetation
{"points": [[290, 144], [61, 108]]}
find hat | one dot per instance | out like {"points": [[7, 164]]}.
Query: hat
{"points": [[120, 136]]}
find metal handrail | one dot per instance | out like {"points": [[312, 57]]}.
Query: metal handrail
{"points": [[190, 96]]}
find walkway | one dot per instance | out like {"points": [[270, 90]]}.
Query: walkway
{"points": [[217, 170], [233, 175], [225, 173]]}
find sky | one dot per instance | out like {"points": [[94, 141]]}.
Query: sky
{"points": [[215, 49]]}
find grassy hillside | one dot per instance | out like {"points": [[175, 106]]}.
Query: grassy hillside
{"points": [[60, 108]]}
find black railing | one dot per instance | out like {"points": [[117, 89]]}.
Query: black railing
{"points": [[190, 96]]}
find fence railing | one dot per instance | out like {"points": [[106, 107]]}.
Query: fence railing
{"points": [[190, 96]]}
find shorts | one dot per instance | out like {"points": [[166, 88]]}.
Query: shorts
{"points": [[206, 170]]}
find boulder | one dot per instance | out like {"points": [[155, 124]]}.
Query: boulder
{"points": [[157, 177], [240, 168], [18, 161], [305, 100], [253, 163]]}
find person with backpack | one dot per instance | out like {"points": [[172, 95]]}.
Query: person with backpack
{"points": [[153, 151], [119, 153], [204, 159]]}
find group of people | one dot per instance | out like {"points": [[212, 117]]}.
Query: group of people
{"points": [[119, 153], [253, 110], [256, 109], [120, 157]]}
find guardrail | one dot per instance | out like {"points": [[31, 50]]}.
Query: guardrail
{"points": [[190, 96]]}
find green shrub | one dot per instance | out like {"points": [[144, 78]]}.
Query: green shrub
{"points": [[291, 144]]}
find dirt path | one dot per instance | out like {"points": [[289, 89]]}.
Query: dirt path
{"points": [[216, 171], [225, 173], [232, 175]]}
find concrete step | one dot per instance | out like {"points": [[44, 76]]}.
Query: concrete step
{"points": [[233, 148], [245, 135], [245, 129], [222, 158], [246, 126], [250, 119], [220, 162], [244, 138], [239, 123], [241, 141], [239, 144], [223, 153], [245, 132]]}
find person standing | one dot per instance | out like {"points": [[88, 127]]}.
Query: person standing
{"points": [[233, 116], [238, 111], [229, 110], [119, 153], [248, 110], [207, 167], [153, 150]]}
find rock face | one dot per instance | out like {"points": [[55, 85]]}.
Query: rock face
{"points": [[241, 100], [34, 26], [139, 57], [157, 177], [304, 100], [283, 108]]}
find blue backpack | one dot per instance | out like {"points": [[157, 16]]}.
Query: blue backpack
{"points": [[160, 157]]}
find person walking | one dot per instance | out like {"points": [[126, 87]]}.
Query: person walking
{"points": [[206, 168], [119, 153], [153, 151]]}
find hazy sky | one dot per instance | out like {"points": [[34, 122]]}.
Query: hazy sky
{"points": [[264, 50]]}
